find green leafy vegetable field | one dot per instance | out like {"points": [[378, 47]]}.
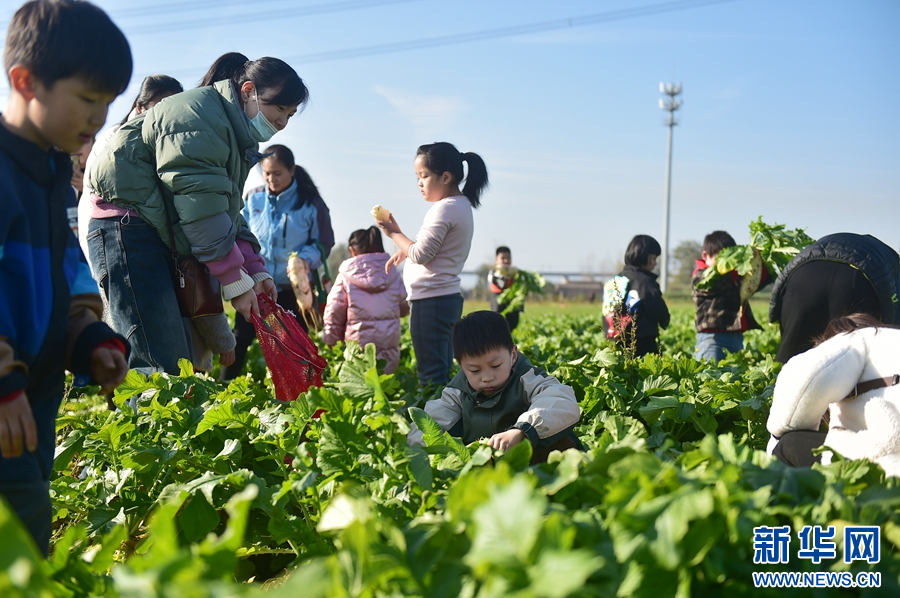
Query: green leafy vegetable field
{"points": [[207, 490]]}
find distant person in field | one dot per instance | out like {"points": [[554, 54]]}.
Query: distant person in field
{"points": [[65, 63], [721, 319], [501, 278], [836, 276], [439, 251], [366, 302], [853, 375], [498, 395], [633, 305]]}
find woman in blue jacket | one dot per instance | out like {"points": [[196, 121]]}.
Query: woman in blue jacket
{"points": [[283, 216]]}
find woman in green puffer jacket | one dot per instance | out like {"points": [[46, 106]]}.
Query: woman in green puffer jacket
{"points": [[187, 157]]}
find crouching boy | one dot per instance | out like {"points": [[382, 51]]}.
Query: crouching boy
{"points": [[499, 395]]}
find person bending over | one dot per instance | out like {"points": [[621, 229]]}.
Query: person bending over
{"points": [[853, 374]]}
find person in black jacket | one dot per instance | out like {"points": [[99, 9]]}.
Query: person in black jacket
{"points": [[643, 306], [836, 276]]}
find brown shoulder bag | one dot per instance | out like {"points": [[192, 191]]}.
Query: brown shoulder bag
{"points": [[199, 293]]}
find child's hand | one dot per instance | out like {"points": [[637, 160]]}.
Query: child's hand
{"points": [[108, 366], [266, 287], [390, 227], [78, 179], [16, 424], [395, 260], [506, 440], [226, 359], [246, 304]]}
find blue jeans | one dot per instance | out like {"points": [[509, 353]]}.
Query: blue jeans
{"points": [[430, 322], [712, 345], [135, 271]]}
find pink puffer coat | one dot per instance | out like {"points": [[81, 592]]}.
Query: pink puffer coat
{"points": [[365, 305]]}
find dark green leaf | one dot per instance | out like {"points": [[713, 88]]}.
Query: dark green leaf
{"points": [[198, 518]]}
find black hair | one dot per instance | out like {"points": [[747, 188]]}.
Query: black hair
{"points": [[503, 249], [716, 241], [152, 87], [223, 68], [640, 249], [366, 240], [58, 39], [272, 77], [443, 157], [306, 188], [480, 332]]}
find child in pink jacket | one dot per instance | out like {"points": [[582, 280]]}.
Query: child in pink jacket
{"points": [[366, 303]]}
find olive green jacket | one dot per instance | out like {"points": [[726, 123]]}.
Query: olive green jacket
{"points": [[192, 152]]}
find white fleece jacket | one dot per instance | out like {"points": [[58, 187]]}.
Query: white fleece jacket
{"points": [[864, 427]]}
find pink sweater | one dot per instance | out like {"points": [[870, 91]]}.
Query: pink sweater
{"points": [[441, 249], [365, 305]]}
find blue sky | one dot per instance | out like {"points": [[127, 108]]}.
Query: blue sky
{"points": [[789, 112]]}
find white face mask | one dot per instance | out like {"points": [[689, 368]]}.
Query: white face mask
{"points": [[260, 128]]}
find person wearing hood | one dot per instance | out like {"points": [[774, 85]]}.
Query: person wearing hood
{"points": [[171, 182], [366, 303]]}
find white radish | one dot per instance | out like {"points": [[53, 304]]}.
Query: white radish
{"points": [[750, 281], [298, 274], [381, 213]]}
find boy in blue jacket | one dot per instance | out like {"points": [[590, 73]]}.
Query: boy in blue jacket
{"points": [[65, 62]]}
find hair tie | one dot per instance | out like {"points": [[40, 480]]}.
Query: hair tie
{"points": [[462, 156]]}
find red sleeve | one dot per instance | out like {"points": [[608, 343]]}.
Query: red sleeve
{"points": [[115, 344], [9, 398]]}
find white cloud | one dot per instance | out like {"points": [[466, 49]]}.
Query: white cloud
{"points": [[429, 115]]}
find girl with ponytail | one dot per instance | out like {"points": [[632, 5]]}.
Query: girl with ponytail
{"points": [[439, 251], [367, 300]]}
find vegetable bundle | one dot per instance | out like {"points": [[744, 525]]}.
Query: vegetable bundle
{"points": [[772, 246], [524, 282]]}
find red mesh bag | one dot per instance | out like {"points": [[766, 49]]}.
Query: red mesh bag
{"points": [[291, 356]]}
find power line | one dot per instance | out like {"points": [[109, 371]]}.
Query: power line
{"points": [[155, 9], [315, 9], [475, 36], [462, 38], [259, 15]]}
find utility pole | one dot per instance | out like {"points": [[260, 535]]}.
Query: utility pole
{"points": [[670, 104]]}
